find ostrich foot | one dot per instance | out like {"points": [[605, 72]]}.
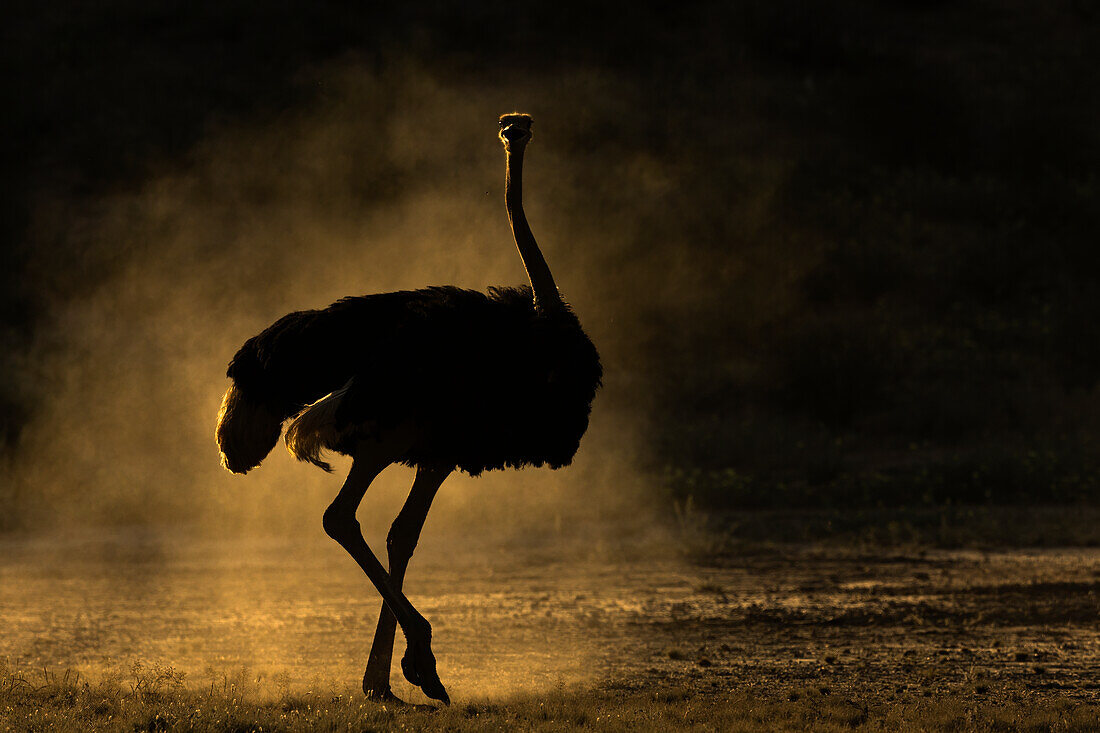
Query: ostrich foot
{"points": [[418, 666], [380, 692], [387, 697]]}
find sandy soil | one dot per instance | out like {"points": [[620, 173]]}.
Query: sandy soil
{"points": [[299, 615]]}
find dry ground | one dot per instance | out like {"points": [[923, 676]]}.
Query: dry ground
{"points": [[243, 634]]}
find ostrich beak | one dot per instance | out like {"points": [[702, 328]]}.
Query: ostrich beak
{"points": [[514, 133]]}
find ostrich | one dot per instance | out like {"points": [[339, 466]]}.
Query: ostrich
{"points": [[438, 379]]}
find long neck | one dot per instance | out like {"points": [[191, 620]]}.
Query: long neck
{"points": [[542, 282]]}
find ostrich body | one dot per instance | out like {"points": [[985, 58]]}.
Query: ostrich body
{"points": [[439, 379]]}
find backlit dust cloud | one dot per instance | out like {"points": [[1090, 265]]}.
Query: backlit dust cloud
{"points": [[390, 182]]}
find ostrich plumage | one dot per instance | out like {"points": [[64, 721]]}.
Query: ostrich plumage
{"points": [[486, 380]]}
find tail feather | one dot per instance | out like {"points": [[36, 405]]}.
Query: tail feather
{"points": [[314, 430], [247, 431]]}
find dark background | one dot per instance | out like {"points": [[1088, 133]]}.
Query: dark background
{"points": [[864, 269]]}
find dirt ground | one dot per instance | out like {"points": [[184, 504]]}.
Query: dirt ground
{"points": [[298, 616]]}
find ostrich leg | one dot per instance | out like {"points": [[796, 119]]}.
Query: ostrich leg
{"points": [[341, 525], [400, 544]]}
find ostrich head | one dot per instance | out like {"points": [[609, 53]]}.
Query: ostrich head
{"points": [[515, 131]]}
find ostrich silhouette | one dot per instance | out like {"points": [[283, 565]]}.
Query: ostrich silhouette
{"points": [[438, 379]]}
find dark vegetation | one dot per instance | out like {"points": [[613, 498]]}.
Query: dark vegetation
{"points": [[889, 213]]}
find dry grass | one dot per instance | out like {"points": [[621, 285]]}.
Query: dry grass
{"points": [[158, 699]]}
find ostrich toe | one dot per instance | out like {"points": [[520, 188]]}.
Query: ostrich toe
{"points": [[418, 666]]}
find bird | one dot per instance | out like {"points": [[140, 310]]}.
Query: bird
{"points": [[440, 379]]}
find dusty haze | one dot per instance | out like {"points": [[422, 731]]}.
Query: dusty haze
{"points": [[391, 181]]}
